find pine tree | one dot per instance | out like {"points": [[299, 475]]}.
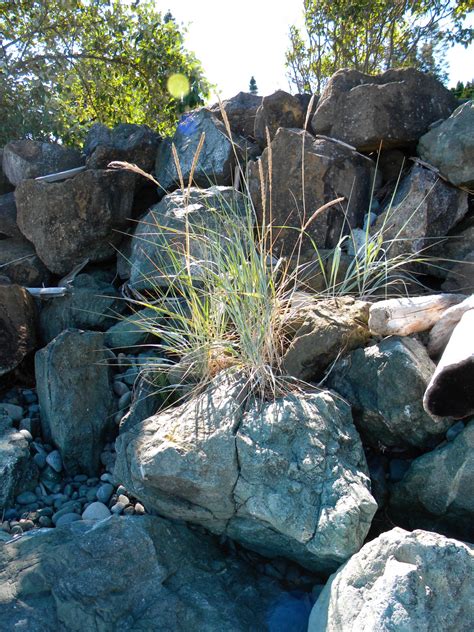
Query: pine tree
{"points": [[253, 86]]}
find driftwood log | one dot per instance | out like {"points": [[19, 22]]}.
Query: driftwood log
{"points": [[405, 316], [450, 392], [442, 330], [61, 175]]}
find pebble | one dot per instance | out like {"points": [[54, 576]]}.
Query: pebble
{"points": [[27, 525], [125, 400], [123, 499], [27, 434], [55, 461], [45, 511], [118, 417], [15, 412], [16, 530], [139, 509], [67, 519], [107, 478], [26, 498], [96, 511], [30, 397], [91, 494], [11, 514], [121, 490], [117, 508], [45, 521], [68, 489], [92, 481], [40, 460], [104, 493], [120, 388], [73, 508], [80, 478]]}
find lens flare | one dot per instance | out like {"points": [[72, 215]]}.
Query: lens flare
{"points": [[178, 86]]}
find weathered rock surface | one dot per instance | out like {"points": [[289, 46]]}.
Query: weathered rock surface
{"points": [[436, 492], [147, 575], [461, 276], [166, 223], [24, 159], [450, 146], [216, 160], [5, 186], [127, 142], [240, 111], [424, 208], [287, 477], [279, 109], [20, 263], [146, 400], [385, 384], [395, 108], [330, 328], [17, 470], [75, 219], [331, 170], [17, 326], [75, 397], [400, 581], [131, 331], [8, 224]]}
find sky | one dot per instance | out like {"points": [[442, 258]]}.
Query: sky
{"points": [[236, 40]]}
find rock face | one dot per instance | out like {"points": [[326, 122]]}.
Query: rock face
{"points": [[76, 219], [132, 331], [330, 328], [166, 223], [5, 186], [169, 579], [395, 108], [75, 397], [287, 477], [385, 384], [8, 225], [215, 163], [25, 159], [400, 581], [423, 209], [17, 471], [241, 111], [127, 142], [450, 146], [331, 170], [20, 263], [435, 493], [279, 109], [17, 326]]}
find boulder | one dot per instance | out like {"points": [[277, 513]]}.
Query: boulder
{"points": [[75, 397], [148, 574], [147, 399], [90, 304], [285, 478], [17, 326], [394, 108], [460, 277], [330, 169], [132, 331], [330, 328], [25, 159], [5, 186], [241, 111], [150, 261], [424, 208], [8, 225], [400, 581], [216, 161], [20, 263], [385, 384], [279, 109], [127, 142], [17, 470], [75, 219], [450, 146], [442, 502]]}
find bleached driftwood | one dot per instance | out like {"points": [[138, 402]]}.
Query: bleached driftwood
{"points": [[61, 175], [47, 292], [442, 330], [450, 392], [404, 316]]}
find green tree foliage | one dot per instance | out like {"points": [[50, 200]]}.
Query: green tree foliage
{"points": [[462, 91], [372, 36], [65, 64], [253, 89]]}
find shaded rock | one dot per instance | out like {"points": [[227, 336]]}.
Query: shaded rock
{"points": [[216, 161], [17, 470], [5, 186], [209, 212], [450, 146], [127, 142], [391, 163], [75, 219], [331, 170], [330, 328], [8, 225], [461, 276], [435, 493], [286, 477], [17, 326], [423, 209], [240, 111], [395, 108], [75, 395], [170, 579], [25, 159], [96, 511], [385, 384], [132, 331], [279, 109], [90, 304], [20, 263], [400, 581], [146, 401]]}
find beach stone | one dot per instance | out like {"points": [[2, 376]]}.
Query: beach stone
{"points": [[132, 331], [96, 511], [26, 498], [13, 411], [17, 326], [20, 263], [54, 460], [104, 493], [67, 518]]}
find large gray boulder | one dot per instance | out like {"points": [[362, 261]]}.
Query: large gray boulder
{"points": [[450, 146], [285, 478], [394, 108], [331, 170], [240, 111], [436, 492], [75, 219], [385, 384], [130, 573], [401, 581], [17, 470], [17, 326], [209, 212], [75, 397], [24, 159], [279, 109], [20, 263]]}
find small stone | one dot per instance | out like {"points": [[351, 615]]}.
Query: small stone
{"points": [[13, 411], [92, 494], [55, 461], [129, 511], [107, 478], [45, 511], [125, 400], [105, 492], [27, 525], [40, 460], [16, 530], [96, 511], [80, 478], [67, 491], [118, 417], [27, 434], [30, 397], [117, 508], [11, 514], [123, 499], [93, 480], [139, 509], [26, 498], [120, 388], [121, 490], [45, 521], [67, 519]]}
